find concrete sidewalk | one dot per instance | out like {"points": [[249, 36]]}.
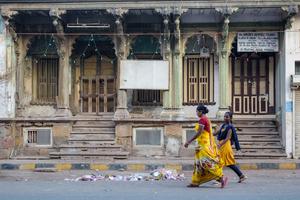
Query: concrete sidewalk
{"points": [[139, 164]]}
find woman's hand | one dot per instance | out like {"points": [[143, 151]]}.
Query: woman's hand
{"points": [[186, 145], [219, 145]]}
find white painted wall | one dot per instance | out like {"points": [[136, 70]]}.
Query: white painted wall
{"points": [[292, 54], [7, 74]]}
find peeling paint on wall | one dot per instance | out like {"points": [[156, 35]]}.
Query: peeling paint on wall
{"points": [[7, 89]]}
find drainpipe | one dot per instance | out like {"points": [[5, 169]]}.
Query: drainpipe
{"points": [[293, 125]]}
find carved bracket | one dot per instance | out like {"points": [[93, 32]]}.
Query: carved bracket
{"points": [[118, 12], [166, 12], [7, 15], [226, 12], [120, 39], [171, 10], [291, 11], [56, 14]]}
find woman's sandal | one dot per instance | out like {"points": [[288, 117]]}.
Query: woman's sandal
{"points": [[224, 182], [192, 185], [242, 178]]}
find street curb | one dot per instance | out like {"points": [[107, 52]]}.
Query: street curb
{"points": [[138, 166]]}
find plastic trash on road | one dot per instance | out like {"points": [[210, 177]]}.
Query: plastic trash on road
{"points": [[156, 175]]}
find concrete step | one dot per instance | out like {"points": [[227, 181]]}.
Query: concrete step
{"points": [[255, 129], [255, 122], [259, 140], [258, 133], [90, 139], [100, 129], [91, 146], [106, 125], [260, 155], [85, 132], [92, 136], [250, 143], [91, 142], [257, 147], [245, 137], [79, 154]]}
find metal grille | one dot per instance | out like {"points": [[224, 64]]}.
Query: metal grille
{"points": [[39, 136], [147, 97]]}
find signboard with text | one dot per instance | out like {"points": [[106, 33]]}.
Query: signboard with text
{"points": [[258, 42]]}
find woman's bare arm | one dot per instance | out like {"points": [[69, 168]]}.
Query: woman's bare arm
{"points": [[201, 127]]}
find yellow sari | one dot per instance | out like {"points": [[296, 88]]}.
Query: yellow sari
{"points": [[208, 165], [226, 153]]}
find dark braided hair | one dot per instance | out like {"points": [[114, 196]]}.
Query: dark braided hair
{"points": [[230, 115], [201, 108]]}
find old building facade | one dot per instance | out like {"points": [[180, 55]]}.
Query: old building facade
{"points": [[64, 91]]}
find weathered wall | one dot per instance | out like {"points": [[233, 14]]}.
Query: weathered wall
{"points": [[60, 134], [6, 140], [173, 138], [7, 74], [292, 54]]}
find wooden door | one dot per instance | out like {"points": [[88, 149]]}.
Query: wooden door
{"points": [[97, 87], [250, 85]]}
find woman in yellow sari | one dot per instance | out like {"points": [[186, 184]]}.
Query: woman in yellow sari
{"points": [[226, 137], [208, 165]]}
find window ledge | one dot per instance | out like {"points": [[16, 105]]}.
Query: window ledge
{"points": [[43, 103], [195, 104]]}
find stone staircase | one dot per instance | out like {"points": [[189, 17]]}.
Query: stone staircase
{"points": [[259, 139], [91, 138]]}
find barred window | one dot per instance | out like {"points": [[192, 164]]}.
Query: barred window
{"points": [[198, 75], [147, 97], [46, 79]]}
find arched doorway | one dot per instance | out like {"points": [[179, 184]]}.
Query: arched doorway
{"points": [[198, 70], [253, 81], [94, 66], [45, 70]]}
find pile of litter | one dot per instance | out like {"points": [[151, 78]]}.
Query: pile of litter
{"points": [[156, 175]]}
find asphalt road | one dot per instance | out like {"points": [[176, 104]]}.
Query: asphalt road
{"points": [[262, 185]]}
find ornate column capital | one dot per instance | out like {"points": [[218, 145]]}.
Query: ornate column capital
{"points": [[290, 11], [118, 12], [7, 15], [56, 14], [226, 12], [171, 10]]}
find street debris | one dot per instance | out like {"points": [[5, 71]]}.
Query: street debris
{"points": [[156, 175]]}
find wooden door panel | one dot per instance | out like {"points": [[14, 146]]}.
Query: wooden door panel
{"points": [[250, 89], [97, 91]]}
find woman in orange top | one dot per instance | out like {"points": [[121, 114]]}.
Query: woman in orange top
{"points": [[207, 165]]}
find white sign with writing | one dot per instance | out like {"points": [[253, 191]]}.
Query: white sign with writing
{"points": [[258, 42]]}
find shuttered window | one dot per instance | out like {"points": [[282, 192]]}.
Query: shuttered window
{"points": [[46, 73], [198, 80]]}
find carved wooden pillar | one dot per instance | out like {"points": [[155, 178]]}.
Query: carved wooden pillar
{"points": [[224, 52], [172, 99], [63, 50], [121, 53]]}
